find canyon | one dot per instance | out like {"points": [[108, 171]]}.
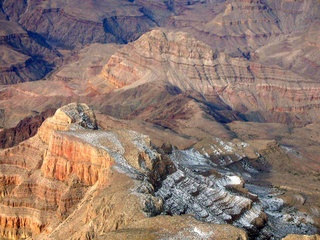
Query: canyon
{"points": [[159, 119]]}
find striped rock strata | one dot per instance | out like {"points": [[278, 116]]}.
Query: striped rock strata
{"points": [[45, 177], [258, 92]]}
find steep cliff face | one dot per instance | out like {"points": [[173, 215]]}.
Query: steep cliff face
{"points": [[68, 156], [30, 201], [45, 178]]}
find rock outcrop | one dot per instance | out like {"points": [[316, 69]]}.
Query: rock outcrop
{"points": [[30, 200], [199, 189], [47, 177], [73, 174]]}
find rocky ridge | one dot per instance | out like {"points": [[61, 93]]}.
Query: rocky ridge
{"points": [[257, 92], [220, 24], [33, 187], [25, 56], [69, 170], [92, 22], [49, 175]]}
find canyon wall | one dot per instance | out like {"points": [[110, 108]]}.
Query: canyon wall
{"points": [[257, 92], [31, 197], [47, 177]]}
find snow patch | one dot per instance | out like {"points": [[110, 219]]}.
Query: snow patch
{"points": [[234, 180], [205, 153], [190, 157], [227, 146], [101, 139], [139, 140], [291, 151], [202, 234], [242, 145]]}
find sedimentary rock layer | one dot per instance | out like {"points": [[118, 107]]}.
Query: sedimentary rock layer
{"points": [[44, 178], [258, 92]]}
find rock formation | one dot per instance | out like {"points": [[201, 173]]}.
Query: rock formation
{"points": [[239, 28], [91, 22], [44, 178], [240, 79], [197, 189], [73, 174], [257, 92]]}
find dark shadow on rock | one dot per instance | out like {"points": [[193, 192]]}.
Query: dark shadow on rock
{"points": [[25, 129]]}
